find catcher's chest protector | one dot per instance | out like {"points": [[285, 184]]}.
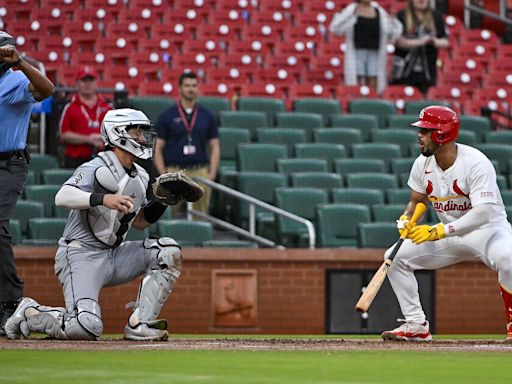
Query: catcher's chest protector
{"points": [[110, 226]]}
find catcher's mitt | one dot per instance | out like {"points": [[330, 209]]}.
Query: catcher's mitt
{"points": [[173, 187]]}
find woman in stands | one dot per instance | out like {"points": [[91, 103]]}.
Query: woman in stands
{"points": [[368, 29], [415, 59]]}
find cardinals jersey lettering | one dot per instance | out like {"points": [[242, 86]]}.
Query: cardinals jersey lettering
{"points": [[470, 181]]}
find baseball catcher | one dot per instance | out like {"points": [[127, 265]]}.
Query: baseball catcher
{"points": [[173, 187], [107, 196]]}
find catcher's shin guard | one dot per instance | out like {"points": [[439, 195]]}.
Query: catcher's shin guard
{"points": [[158, 282]]}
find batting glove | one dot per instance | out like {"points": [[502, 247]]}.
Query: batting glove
{"points": [[403, 223], [422, 233]]}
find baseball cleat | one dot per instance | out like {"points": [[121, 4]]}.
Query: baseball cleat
{"points": [[16, 326], [142, 332], [409, 331], [509, 332]]}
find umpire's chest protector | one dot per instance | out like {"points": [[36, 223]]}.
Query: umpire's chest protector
{"points": [[108, 225]]}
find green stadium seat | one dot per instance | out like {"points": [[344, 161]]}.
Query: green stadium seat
{"points": [[402, 121], [153, 228], [480, 125], [499, 137], [324, 107], [137, 235], [384, 151], [44, 230], [243, 119], [508, 210], [324, 180], [371, 180], [229, 244], [303, 120], [403, 137], [403, 178], [268, 105], [229, 140], [345, 166], [337, 223], [285, 136], [296, 164], [190, 233], [26, 209], [15, 231], [326, 151], [404, 165], [215, 104], [376, 235], [31, 178], [376, 107], [344, 136], [44, 194], [61, 212], [387, 212], [500, 152], [414, 107], [152, 106], [506, 195], [56, 176], [502, 181], [398, 196], [468, 138], [362, 122], [366, 196], [301, 202], [259, 157], [40, 162]]}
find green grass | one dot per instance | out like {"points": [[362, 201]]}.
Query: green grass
{"points": [[241, 367]]}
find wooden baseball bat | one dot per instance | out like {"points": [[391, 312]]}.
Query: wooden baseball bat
{"points": [[375, 283]]}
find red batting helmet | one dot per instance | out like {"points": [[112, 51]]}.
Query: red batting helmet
{"points": [[443, 120]]}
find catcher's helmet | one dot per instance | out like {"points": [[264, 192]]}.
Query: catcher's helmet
{"points": [[443, 120], [5, 39], [114, 130]]}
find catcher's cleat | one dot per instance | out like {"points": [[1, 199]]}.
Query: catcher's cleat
{"points": [[409, 331], [143, 332], [16, 326]]}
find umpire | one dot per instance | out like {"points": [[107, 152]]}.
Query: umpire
{"points": [[19, 90]]}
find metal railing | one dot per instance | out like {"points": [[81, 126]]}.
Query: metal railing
{"points": [[501, 16], [253, 203]]}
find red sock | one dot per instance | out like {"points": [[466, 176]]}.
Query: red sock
{"points": [[507, 300]]}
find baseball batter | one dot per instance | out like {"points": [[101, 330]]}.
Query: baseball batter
{"points": [[106, 196], [460, 183]]}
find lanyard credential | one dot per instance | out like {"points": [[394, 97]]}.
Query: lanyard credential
{"points": [[188, 149], [92, 123]]}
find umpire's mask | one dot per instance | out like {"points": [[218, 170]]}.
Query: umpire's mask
{"points": [[5, 39]]}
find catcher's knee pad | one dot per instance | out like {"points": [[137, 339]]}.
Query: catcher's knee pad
{"points": [[158, 282], [87, 323]]}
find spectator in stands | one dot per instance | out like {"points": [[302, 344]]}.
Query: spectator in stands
{"points": [[19, 90], [415, 58], [81, 120], [368, 29], [188, 138]]}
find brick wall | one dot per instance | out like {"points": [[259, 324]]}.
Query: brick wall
{"points": [[291, 290]]}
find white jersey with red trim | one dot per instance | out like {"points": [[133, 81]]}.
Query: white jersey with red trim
{"points": [[470, 181]]}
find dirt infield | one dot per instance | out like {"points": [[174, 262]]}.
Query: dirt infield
{"points": [[268, 344]]}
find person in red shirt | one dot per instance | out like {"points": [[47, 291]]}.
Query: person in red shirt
{"points": [[81, 120]]}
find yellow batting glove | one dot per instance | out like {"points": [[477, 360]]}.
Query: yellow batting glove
{"points": [[422, 233], [403, 223]]}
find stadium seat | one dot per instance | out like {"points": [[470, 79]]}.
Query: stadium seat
{"points": [[346, 166], [309, 90], [26, 209], [137, 235], [362, 122], [366, 196], [44, 231], [398, 196], [44, 194], [268, 105], [387, 212], [152, 106], [402, 137], [244, 119], [15, 231], [326, 151], [344, 136], [500, 152], [402, 121], [324, 107], [259, 157], [337, 223], [506, 195], [371, 180], [304, 120], [376, 235], [414, 107], [468, 138], [39, 162], [56, 176], [323, 180], [404, 165], [288, 166], [31, 178], [301, 202], [186, 232], [498, 137], [229, 140], [379, 108], [384, 151], [214, 104], [285, 136]]}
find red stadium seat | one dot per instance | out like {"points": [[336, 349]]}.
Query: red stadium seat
{"points": [[276, 19], [173, 35], [183, 7], [220, 89], [400, 94], [240, 6], [290, 63], [265, 33], [279, 77], [494, 98], [157, 88], [209, 48], [248, 47], [498, 79], [220, 33], [453, 95], [306, 33], [263, 90], [301, 90], [94, 15], [228, 75], [324, 77], [347, 93], [300, 49], [480, 36], [292, 7], [454, 27], [249, 61], [132, 32], [191, 17]]}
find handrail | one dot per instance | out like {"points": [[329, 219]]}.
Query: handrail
{"points": [[252, 212], [502, 16]]}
